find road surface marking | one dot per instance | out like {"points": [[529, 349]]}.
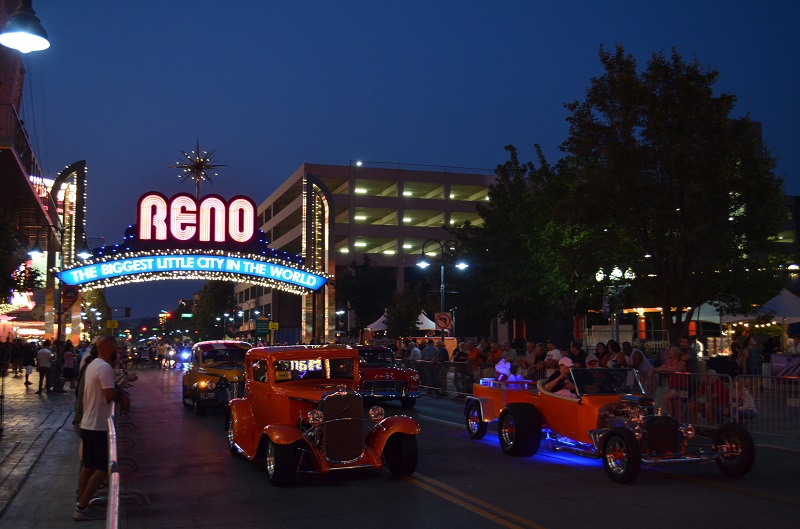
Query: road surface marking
{"points": [[479, 507]]}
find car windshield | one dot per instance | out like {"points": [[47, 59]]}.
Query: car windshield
{"points": [[606, 381], [377, 357], [314, 369], [215, 356]]}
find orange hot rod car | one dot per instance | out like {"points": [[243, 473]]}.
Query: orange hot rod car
{"points": [[301, 412], [609, 419]]}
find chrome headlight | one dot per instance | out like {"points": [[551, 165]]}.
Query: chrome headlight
{"points": [[376, 413], [687, 430], [211, 384], [637, 431], [314, 417]]}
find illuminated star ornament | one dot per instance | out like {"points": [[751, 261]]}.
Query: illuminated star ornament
{"points": [[198, 167]]}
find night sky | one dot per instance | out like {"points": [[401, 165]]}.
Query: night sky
{"points": [[272, 85]]}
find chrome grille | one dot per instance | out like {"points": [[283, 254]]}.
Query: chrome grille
{"points": [[342, 435], [663, 435], [385, 387]]}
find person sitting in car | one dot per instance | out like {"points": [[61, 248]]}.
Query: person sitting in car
{"points": [[559, 382]]}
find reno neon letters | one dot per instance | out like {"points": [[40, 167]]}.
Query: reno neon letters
{"points": [[183, 218]]}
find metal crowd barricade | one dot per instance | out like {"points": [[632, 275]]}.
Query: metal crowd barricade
{"points": [[115, 494], [777, 401], [696, 398]]}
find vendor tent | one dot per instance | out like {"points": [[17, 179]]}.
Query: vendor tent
{"points": [[785, 306], [423, 323]]}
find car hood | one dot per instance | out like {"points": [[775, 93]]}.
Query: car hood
{"points": [[385, 373], [310, 390]]}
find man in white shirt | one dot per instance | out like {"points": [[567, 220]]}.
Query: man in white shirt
{"points": [[98, 393], [44, 359]]}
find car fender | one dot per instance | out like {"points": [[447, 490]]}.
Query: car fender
{"points": [[283, 434], [486, 406], [376, 439], [244, 425]]}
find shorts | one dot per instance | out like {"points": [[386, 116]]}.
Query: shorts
{"points": [[29, 370], [95, 449]]}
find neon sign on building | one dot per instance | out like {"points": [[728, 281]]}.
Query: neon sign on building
{"points": [[186, 238]]}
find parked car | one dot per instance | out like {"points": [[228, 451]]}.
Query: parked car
{"points": [[215, 374], [383, 378], [609, 419], [302, 412]]}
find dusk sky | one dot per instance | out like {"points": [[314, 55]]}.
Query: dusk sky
{"points": [[272, 85]]}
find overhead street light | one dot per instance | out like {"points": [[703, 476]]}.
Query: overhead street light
{"points": [[425, 263], [24, 31]]}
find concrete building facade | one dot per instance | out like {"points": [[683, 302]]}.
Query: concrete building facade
{"points": [[333, 215]]}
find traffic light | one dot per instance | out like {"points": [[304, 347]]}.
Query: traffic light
{"points": [[127, 312]]}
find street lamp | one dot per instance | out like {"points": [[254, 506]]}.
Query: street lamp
{"points": [[24, 31], [616, 277], [425, 263]]}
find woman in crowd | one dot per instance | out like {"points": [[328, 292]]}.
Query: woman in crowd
{"points": [[601, 352], [672, 398]]}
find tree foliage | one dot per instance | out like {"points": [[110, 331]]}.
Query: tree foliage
{"points": [[658, 177], [364, 289], [216, 298], [12, 256], [403, 312], [685, 188]]}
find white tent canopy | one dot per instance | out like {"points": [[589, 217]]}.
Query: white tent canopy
{"points": [[423, 323], [785, 306]]}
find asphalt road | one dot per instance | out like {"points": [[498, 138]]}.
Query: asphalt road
{"points": [[193, 481]]}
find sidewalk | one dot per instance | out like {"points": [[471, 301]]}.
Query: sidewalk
{"points": [[38, 457]]}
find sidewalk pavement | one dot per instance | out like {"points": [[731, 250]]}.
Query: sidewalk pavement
{"points": [[38, 457]]}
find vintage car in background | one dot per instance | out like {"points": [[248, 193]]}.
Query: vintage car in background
{"points": [[302, 413], [215, 374], [382, 377], [610, 419]]}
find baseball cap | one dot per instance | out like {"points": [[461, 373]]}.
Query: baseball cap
{"points": [[565, 362], [591, 358]]}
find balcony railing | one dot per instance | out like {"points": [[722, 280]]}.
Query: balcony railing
{"points": [[13, 136]]}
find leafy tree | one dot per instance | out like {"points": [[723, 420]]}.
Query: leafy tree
{"points": [[535, 257], [687, 191], [402, 313], [12, 255], [216, 298], [364, 289], [97, 299]]}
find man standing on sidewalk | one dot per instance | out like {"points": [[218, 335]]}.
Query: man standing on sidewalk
{"points": [[98, 393], [44, 359]]}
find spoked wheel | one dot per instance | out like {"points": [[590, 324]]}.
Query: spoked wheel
{"points": [[229, 434], [476, 428], [621, 455], [520, 430], [280, 467], [736, 448]]}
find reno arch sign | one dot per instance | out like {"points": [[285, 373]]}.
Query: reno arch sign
{"points": [[187, 238], [182, 218]]}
